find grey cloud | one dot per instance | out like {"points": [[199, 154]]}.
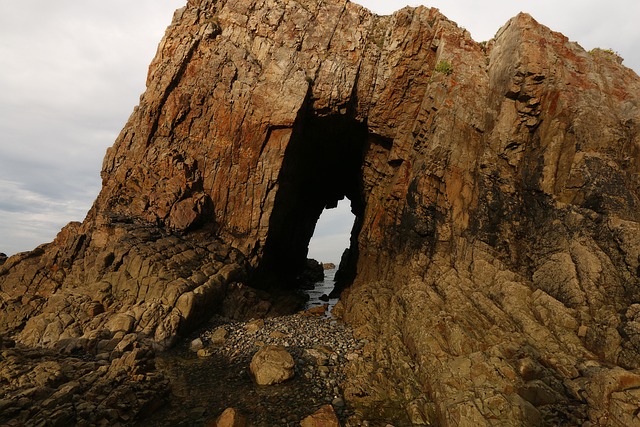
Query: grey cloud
{"points": [[72, 72], [30, 218]]}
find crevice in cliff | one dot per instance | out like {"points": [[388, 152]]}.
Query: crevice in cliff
{"points": [[322, 165], [173, 83]]}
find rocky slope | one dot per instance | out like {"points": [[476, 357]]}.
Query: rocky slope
{"points": [[495, 255]]}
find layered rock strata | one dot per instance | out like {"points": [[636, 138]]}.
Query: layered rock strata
{"points": [[495, 254]]}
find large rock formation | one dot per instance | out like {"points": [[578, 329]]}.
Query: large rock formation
{"points": [[496, 249]]}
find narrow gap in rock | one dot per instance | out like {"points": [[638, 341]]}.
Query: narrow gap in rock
{"points": [[330, 242]]}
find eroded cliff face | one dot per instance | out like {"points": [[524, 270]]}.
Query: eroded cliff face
{"points": [[496, 246]]}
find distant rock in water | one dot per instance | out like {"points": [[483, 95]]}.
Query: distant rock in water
{"points": [[328, 266], [493, 262], [312, 273]]}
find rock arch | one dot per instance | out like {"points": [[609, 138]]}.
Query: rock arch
{"points": [[322, 164], [498, 225]]}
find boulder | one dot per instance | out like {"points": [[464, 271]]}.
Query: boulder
{"points": [[313, 272], [323, 417], [272, 364], [219, 336], [230, 418]]}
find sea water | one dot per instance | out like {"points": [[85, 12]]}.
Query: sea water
{"points": [[323, 288]]}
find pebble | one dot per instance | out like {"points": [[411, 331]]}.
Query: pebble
{"points": [[296, 331]]}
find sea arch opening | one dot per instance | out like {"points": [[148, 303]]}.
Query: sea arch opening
{"points": [[331, 235], [322, 165], [328, 246]]}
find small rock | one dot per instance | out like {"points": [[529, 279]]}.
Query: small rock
{"points": [[254, 326], [320, 358], [323, 417], [582, 331], [338, 402], [272, 364], [219, 336], [278, 335], [317, 311], [352, 356], [196, 345], [230, 418], [204, 352]]}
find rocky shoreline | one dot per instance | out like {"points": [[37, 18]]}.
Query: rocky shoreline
{"points": [[219, 354], [44, 387], [191, 384]]}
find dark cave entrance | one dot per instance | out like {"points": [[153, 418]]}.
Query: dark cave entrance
{"points": [[322, 165]]}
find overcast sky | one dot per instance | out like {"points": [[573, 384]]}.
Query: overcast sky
{"points": [[71, 72]]}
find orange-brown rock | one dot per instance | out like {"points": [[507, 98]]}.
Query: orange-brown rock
{"points": [[272, 364], [319, 310], [495, 254], [323, 417], [230, 418]]}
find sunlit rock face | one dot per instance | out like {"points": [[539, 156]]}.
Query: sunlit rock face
{"points": [[495, 252]]}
